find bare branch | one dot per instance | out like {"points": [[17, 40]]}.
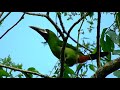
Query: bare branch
{"points": [[1, 14], [62, 57], [58, 29], [77, 71], [61, 23], [12, 26], [25, 71], [49, 19], [78, 43], [98, 40], [108, 68], [77, 22], [47, 13], [4, 17], [36, 14]]}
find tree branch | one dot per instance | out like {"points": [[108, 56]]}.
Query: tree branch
{"points": [[49, 19], [4, 17], [78, 22], [98, 40], [57, 28], [108, 68], [13, 26], [1, 14], [62, 57], [24, 71], [61, 23]]}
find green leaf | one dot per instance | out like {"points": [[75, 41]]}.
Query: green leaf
{"points": [[117, 73], [83, 74], [102, 41], [27, 75], [109, 44], [3, 73], [59, 13], [90, 22], [91, 14], [117, 20], [65, 13], [79, 67], [116, 52], [56, 71], [113, 36], [118, 39], [32, 69], [69, 70], [92, 67], [20, 75], [66, 75]]}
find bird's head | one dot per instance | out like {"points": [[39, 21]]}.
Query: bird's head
{"points": [[43, 32]]}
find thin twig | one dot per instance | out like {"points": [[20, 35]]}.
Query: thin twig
{"points": [[4, 17], [77, 71], [108, 68], [47, 13], [1, 14], [98, 40], [13, 26], [24, 71], [62, 57], [57, 28], [61, 22], [64, 45], [80, 44], [77, 22], [49, 19]]}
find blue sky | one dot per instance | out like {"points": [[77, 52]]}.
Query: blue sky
{"points": [[24, 44]]}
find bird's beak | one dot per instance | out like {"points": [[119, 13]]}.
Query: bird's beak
{"points": [[42, 32]]}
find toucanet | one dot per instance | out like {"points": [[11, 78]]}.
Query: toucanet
{"points": [[72, 55]]}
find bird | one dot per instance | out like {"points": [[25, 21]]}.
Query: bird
{"points": [[72, 55]]}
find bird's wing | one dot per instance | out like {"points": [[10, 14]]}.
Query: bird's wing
{"points": [[60, 43]]}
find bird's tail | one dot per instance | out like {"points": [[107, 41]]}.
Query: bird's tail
{"points": [[85, 58]]}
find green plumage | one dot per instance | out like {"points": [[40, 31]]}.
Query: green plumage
{"points": [[71, 54]]}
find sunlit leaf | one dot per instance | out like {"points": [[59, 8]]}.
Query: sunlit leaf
{"points": [[32, 69], [3, 73], [116, 52], [113, 36], [69, 70], [92, 67], [117, 73]]}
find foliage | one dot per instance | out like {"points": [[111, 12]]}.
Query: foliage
{"points": [[109, 41], [6, 72]]}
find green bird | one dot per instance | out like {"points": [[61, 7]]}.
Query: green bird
{"points": [[72, 55]]}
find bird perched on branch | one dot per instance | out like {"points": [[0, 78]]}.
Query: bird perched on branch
{"points": [[72, 56]]}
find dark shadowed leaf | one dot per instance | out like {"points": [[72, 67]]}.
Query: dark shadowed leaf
{"points": [[117, 20], [109, 44], [79, 67], [102, 41], [91, 14]]}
